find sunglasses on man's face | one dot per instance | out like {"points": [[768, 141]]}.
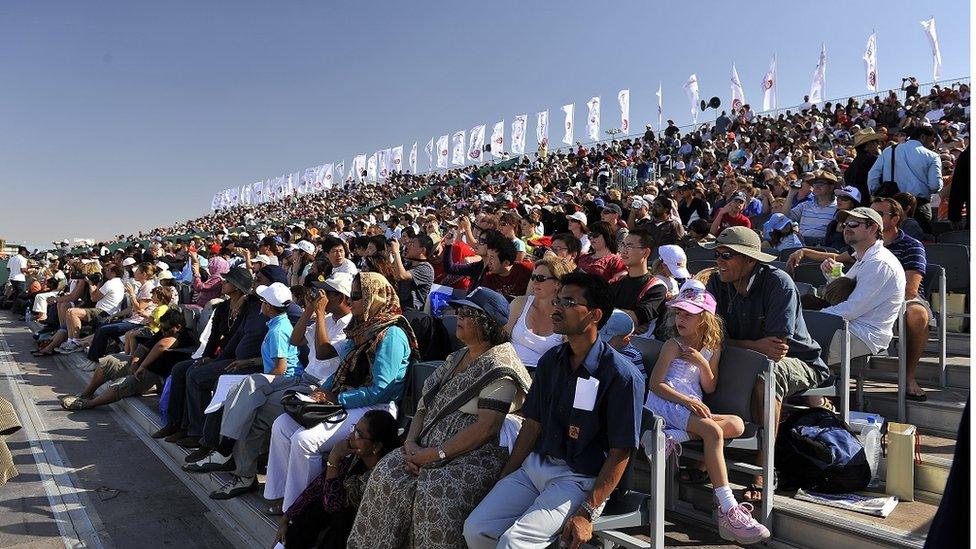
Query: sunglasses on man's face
{"points": [[853, 224], [566, 303], [725, 256]]}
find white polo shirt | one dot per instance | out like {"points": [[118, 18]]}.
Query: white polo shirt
{"points": [[15, 264], [112, 293]]}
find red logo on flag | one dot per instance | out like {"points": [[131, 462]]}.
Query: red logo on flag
{"points": [[736, 104], [768, 84], [625, 125], [873, 79]]}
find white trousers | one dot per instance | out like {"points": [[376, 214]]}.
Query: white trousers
{"points": [[296, 454]]}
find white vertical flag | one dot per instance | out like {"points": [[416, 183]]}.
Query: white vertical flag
{"points": [[769, 87], [518, 134], [542, 127], [340, 170], [291, 184], [871, 62], [383, 162], [246, 195], [623, 98], [929, 26], [413, 158], [318, 183], [660, 107], [477, 144], [257, 192], [371, 167], [498, 140], [457, 148], [429, 149], [307, 184], [691, 88], [328, 176], [234, 196], [358, 166], [818, 88], [442, 150], [738, 94], [570, 111], [396, 159], [593, 118]]}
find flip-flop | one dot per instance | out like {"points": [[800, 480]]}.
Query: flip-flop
{"points": [[917, 398]]}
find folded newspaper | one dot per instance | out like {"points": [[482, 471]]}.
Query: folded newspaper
{"points": [[877, 506]]}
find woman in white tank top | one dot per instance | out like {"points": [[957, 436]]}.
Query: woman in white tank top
{"points": [[529, 323]]}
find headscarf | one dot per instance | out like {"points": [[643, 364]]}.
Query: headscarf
{"points": [[381, 311], [218, 266]]}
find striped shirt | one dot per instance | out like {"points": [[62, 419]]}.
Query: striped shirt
{"points": [[813, 218], [909, 251]]}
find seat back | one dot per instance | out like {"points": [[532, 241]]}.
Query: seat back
{"points": [[930, 282], [417, 375], [649, 350], [737, 373], [809, 273], [953, 237], [781, 265], [694, 267], [955, 259], [450, 324], [191, 316], [822, 327], [697, 253]]}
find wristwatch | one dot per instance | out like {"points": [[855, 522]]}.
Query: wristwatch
{"points": [[588, 511], [441, 454]]}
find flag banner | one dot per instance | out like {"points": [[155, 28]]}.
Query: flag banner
{"points": [[691, 88], [442, 151], [518, 134], [234, 196], [258, 192], [328, 176], [738, 94], [570, 112], [215, 201], [413, 158], [929, 26], [429, 148], [457, 148], [318, 183], [593, 118], [769, 87], [871, 63], [542, 127], [340, 171], [623, 98], [359, 166], [371, 167], [246, 195], [383, 163], [498, 140], [396, 159], [660, 107], [477, 143], [291, 183], [818, 88], [307, 183]]}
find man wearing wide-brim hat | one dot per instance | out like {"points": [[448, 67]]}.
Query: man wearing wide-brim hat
{"points": [[867, 143], [761, 309]]}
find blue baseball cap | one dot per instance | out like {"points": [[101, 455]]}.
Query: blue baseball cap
{"points": [[599, 203], [487, 301], [619, 324]]}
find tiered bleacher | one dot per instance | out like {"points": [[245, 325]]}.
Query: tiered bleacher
{"points": [[603, 342]]}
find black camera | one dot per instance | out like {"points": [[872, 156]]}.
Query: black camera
{"points": [[95, 278]]}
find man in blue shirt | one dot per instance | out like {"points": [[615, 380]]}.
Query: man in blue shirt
{"points": [[917, 170], [570, 454]]}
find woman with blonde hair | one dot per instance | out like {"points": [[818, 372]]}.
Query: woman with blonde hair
{"points": [[529, 323]]}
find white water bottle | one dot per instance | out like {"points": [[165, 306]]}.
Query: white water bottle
{"points": [[871, 434]]}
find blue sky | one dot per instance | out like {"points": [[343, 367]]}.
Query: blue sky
{"points": [[121, 115]]}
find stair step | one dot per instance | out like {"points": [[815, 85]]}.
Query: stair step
{"points": [[957, 370], [939, 415]]}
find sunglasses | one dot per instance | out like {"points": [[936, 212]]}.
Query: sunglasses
{"points": [[357, 434], [725, 256], [468, 312], [853, 224], [541, 278], [566, 303]]}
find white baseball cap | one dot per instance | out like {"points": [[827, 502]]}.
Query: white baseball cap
{"points": [[266, 259], [162, 266], [340, 282], [276, 295], [578, 216], [692, 284], [676, 260], [128, 261], [306, 246]]}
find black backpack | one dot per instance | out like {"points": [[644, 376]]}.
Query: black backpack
{"points": [[816, 450]]}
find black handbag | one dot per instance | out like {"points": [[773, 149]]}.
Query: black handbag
{"points": [[889, 188], [310, 414]]}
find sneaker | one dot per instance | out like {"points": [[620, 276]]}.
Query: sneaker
{"points": [[671, 447], [74, 403], [210, 463], [165, 431], [198, 454], [738, 525], [235, 487], [68, 347]]}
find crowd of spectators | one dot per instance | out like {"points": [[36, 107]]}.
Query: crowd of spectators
{"points": [[561, 259]]}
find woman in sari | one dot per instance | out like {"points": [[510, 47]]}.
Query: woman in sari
{"points": [[452, 455], [374, 356]]}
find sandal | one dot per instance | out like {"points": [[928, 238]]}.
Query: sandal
{"points": [[757, 490], [38, 353], [692, 475], [917, 398], [74, 403]]}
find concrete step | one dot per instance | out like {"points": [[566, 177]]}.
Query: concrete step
{"points": [[939, 415], [928, 370], [244, 514]]}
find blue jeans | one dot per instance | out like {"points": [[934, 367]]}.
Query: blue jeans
{"points": [[105, 334]]}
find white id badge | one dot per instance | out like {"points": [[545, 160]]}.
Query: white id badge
{"points": [[585, 397]]}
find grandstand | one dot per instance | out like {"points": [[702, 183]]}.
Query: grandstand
{"points": [[653, 508]]}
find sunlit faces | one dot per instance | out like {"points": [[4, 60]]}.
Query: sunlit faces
{"points": [[687, 324], [732, 266], [337, 255], [571, 314], [544, 285], [633, 252]]}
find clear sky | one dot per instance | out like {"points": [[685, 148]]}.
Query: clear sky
{"points": [[118, 115]]}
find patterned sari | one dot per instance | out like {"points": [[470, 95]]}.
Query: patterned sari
{"points": [[428, 511]]}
